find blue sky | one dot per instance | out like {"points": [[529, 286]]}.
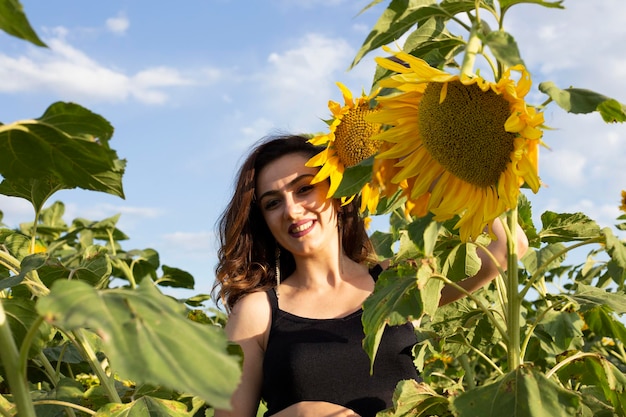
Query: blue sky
{"points": [[189, 86]]}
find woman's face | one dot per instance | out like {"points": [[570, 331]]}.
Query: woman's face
{"points": [[297, 212]]}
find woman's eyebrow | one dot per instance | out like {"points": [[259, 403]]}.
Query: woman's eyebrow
{"points": [[289, 185]]}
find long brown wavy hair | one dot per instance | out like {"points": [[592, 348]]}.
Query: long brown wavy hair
{"points": [[247, 252]]}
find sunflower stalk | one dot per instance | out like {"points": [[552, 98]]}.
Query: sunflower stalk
{"points": [[16, 374], [106, 381], [473, 47], [513, 295]]}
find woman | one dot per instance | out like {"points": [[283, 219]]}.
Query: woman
{"points": [[293, 272]]}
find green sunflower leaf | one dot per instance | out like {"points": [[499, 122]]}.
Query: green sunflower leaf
{"points": [[504, 47], [612, 111], [602, 321], [21, 316], [567, 227], [402, 15], [579, 100], [590, 297], [615, 248], [145, 406], [383, 244], [412, 398], [176, 278], [147, 337], [14, 22], [521, 393], [67, 147], [354, 178], [505, 4], [395, 300], [595, 370], [432, 43]]}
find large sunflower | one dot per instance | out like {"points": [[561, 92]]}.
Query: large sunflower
{"points": [[348, 141], [465, 144]]}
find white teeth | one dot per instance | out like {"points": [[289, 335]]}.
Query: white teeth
{"points": [[302, 227]]}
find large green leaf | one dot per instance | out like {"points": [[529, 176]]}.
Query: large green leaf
{"points": [[22, 316], [580, 100], [147, 337], [395, 300], [567, 227], [504, 47], [397, 18], [615, 247], [603, 322], [522, 392], [354, 178], [564, 329], [432, 43], [143, 407], [35, 190], [176, 278], [597, 371], [590, 297], [383, 244], [66, 147], [505, 4], [401, 15], [414, 399], [14, 22]]}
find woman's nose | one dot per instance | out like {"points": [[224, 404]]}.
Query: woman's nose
{"points": [[293, 207]]}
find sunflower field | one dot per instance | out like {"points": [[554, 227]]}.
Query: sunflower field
{"points": [[442, 152]]}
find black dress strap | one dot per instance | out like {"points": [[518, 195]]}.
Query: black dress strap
{"points": [[375, 271], [273, 298]]}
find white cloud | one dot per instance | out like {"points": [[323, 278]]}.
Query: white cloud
{"points": [[191, 242], [15, 211], [566, 165], [73, 75], [118, 25], [298, 82]]}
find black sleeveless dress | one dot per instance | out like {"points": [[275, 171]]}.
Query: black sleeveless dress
{"points": [[323, 360]]}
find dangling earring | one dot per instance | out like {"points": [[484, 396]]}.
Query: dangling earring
{"points": [[277, 268], [340, 234]]}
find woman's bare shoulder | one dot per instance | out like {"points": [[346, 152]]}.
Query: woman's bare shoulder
{"points": [[250, 317]]}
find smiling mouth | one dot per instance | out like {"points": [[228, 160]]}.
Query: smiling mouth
{"points": [[301, 227]]}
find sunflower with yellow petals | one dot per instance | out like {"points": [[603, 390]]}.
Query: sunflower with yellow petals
{"points": [[348, 141], [465, 144], [623, 206]]}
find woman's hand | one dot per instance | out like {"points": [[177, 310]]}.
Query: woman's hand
{"points": [[316, 409], [489, 270]]}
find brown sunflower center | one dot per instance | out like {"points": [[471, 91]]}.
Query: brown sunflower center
{"points": [[353, 141], [465, 133]]}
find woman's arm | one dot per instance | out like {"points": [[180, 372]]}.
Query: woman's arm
{"points": [[488, 270], [248, 325]]}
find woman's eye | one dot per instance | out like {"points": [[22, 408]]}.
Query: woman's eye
{"points": [[305, 188], [270, 204]]}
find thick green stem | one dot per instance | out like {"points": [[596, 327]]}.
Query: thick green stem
{"points": [[471, 50], [9, 262], [14, 371], [513, 296], [107, 382]]}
